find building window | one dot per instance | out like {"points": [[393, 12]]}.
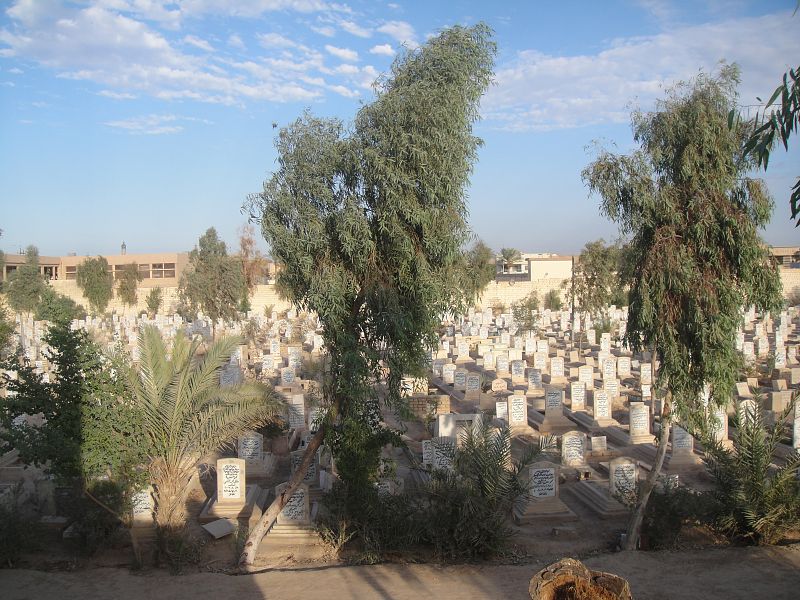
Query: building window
{"points": [[163, 271], [70, 272], [144, 271]]}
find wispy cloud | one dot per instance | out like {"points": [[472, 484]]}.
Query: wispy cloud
{"points": [[538, 91], [355, 29], [234, 41], [148, 125], [198, 43], [116, 95], [342, 53], [402, 31]]}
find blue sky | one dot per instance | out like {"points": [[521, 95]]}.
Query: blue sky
{"points": [[149, 121]]}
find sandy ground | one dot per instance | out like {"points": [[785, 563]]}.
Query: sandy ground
{"points": [[746, 573]]}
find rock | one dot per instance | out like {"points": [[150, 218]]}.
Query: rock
{"points": [[569, 579]]}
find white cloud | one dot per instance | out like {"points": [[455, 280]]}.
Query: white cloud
{"points": [[325, 30], [538, 91], [344, 91], [234, 41], [354, 29], [342, 53], [198, 43], [16, 71], [116, 95], [399, 30], [147, 125], [275, 40], [384, 49]]}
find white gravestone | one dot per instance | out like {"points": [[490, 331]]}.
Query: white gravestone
{"points": [[543, 482], [311, 476], [601, 409], [473, 387], [251, 446], [573, 449], [142, 508], [639, 414], [577, 395], [518, 371], [231, 481], [448, 373], [297, 411], [501, 410], [518, 411], [499, 385], [297, 508], [586, 376], [557, 368], [646, 374]]}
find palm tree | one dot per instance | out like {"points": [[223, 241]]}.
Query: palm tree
{"points": [[188, 415], [509, 256]]}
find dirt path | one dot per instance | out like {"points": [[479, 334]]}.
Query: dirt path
{"points": [[731, 573]]}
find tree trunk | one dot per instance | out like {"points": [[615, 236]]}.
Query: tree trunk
{"points": [[267, 519], [635, 523]]}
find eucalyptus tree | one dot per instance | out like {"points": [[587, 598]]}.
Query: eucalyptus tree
{"points": [[213, 281], [477, 271], [26, 285], [693, 215], [595, 279], [369, 221], [187, 414], [128, 283], [96, 281]]}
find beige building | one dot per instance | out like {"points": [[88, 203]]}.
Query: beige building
{"points": [[157, 270]]}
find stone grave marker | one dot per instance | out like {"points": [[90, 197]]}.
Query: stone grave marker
{"points": [[577, 394], [473, 387], [573, 449], [609, 368], [601, 409], [556, 368], [297, 510], [231, 488], [646, 374], [460, 380], [142, 506], [312, 473], [611, 386], [518, 371], [623, 476], [501, 363], [599, 443], [540, 360], [499, 385], [518, 411], [501, 409], [586, 376], [251, 447], [297, 411], [640, 423], [287, 376], [448, 373], [624, 366]]}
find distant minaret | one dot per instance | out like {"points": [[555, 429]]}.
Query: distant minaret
{"points": [[124, 248]]}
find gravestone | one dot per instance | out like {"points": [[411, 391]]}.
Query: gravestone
{"points": [[142, 505], [518, 371], [718, 420], [601, 407], [448, 373], [534, 383], [501, 409], [297, 510], [557, 369], [297, 411], [499, 385], [543, 502], [599, 444], [646, 374], [231, 489], [311, 477], [611, 386], [586, 376], [540, 360], [287, 376], [577, 395], [473, 387], [460, 380], [683, 456], [624, 366], [501, 364], [518, 413], [623, 475], [609, 366], [573, 449], [639, 418], [554, 420]]}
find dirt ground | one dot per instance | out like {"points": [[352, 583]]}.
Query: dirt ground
{"points": [[746, 573]]}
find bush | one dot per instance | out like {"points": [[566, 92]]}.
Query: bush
{"points": [[671, 507], [465, 509], [756, 503], [93, 526], [18, 533], [552, 300]]}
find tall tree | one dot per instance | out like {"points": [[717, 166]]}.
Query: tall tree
{"points": [[55, 307], [478, 270], [213, 282], [96, 281], [153, 300], [693, 215], [188, 414], [26, 285], [127, 284], [595, 278], [254, 263], [369, 223]]}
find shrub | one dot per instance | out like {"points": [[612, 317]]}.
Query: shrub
{"points": [[670, 507], [552, 300], [18, 533], [757, 503]]}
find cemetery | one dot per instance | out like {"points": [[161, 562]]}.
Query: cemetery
{"points": [[381, 410]]}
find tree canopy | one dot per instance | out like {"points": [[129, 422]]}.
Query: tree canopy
{"points": [[368, 222], [128, 282], [26, 284], [596, 279], [478, 270], [213, 281], [693, 216], [96, 281]]}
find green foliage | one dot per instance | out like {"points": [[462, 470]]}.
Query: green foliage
{"points": [[26, 284], [94, 527], [96, 281], [693, 216], [128, 282], [369, 222], [213, 282], [19, 533], [552, 300], [90, 428], [55, 307], [672, 506], [465, 510], [6, 329], [780, 123], [153, 301], [508, 256], [187, 414], [595, 281], [757, 503], [478, 270], [525, 311]]}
